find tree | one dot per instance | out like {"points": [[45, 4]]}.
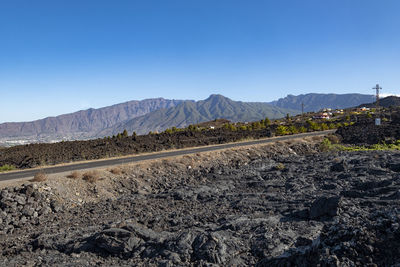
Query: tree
{"points": [[134, 134], [192, 128], [125, 133], [287, 117], [256, 125], [267, 121]]}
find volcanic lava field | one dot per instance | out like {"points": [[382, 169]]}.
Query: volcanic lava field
{"points": [[287, 204]]}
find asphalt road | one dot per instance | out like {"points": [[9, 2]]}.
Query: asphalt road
{"points": [[109, 162]]}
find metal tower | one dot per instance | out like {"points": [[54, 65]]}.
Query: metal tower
{"points": [[377, 88]]}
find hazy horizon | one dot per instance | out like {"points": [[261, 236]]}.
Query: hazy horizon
{"points": [[61, 57]]}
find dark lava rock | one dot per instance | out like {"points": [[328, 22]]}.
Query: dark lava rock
{"points": [[243, 214], [394, 167], [339, 167], [324, 206]]}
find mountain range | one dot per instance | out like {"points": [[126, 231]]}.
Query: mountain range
{"points": [[158, 114], [189, 112], [85, 123]]}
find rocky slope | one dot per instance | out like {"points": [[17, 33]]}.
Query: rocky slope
{"points": [[316, 102], [389, 101], [282, 205]]}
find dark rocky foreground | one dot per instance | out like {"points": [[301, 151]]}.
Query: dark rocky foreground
{"points": [[291, 209]]}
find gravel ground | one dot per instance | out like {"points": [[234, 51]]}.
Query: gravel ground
{"points": [[277, 205]]}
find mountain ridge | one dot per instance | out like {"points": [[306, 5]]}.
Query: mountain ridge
{"points": [[386, 102], [214, 107], [316, 102], [84, 123]]}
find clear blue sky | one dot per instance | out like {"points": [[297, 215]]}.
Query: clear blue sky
{"points": [[60, 56]]}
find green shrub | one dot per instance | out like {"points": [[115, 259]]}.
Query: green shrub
{"points": [[256, 125], [325, 145], [192, 128], [313, 126], [282, 130], [324, 127], [7, 167], [168, 131], [302, 129], [293, 129]]}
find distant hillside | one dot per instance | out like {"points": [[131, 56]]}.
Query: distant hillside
{"points": [[84, 123], [188, 112], [315, 102], [390, 101]]}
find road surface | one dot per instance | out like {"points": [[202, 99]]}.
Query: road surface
{"points": [[117, 161]]}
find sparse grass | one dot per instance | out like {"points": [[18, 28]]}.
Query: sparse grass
{"points": [[39, 177], [7, 167], [327, 145], [315, 138], [280, 166], [74, 175], [91, 176], [333, 138], [116, 170]]}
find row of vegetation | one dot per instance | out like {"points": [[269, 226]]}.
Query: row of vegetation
{"points": [[287, 128], [329, 145]]}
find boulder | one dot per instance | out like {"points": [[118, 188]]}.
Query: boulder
{"points": [[325, 207]]}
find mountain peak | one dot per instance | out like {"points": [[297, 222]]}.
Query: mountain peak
{"points": [[216, 96]]}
